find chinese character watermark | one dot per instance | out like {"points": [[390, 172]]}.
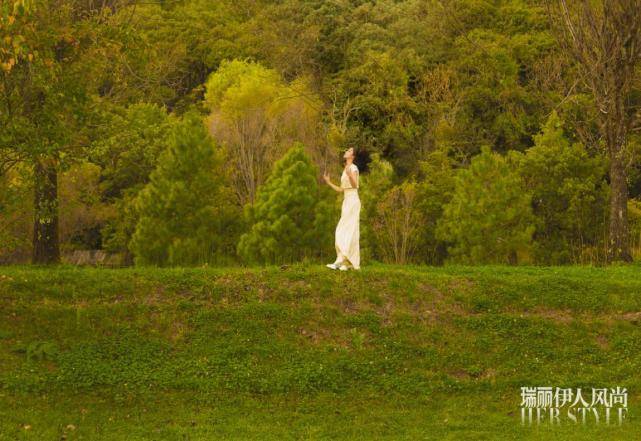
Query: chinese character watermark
{"points": [[552, 405]]}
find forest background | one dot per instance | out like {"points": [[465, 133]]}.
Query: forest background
{"points": [[195, 132]]}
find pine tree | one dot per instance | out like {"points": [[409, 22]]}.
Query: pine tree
{"points": [[570, 195], [287, 213], [489, 219], [184, 214]]}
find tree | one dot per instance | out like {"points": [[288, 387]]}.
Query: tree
{"points": [[16, 210], [14, 53], [175, 46], [397, 224], [185, 213], [604, 39], [435, 188], [569, 195], [128, 142], [256, 116], [385, 112], [489, 219], [285, 213], [50, 56]]}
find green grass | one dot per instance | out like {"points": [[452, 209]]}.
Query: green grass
{"points": [[306, 353]]}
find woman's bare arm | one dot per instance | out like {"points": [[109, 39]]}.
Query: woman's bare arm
{"points": [[327, 180]]}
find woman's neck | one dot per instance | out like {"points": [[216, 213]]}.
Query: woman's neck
{"points": [[349, 161]]}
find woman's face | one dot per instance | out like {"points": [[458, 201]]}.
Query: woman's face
{"points": [[349, 153]]}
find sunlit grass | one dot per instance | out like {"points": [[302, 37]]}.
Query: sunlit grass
{"points": [[302, 352]]}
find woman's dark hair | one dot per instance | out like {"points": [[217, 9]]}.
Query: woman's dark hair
{"points": [[362, 159]]}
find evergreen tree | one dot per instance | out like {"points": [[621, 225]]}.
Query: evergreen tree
{"points": [[285, 214], [489, 219], [570, 196], [128, 143], [185, 216]]}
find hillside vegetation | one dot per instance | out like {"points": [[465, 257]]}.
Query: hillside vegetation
{"points": [[176, 133], [300, 352]]}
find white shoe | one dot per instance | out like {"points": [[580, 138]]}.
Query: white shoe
{"points": [[332, 266], [343, 268]]}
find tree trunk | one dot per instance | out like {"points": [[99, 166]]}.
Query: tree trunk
{"points": [[46, 247], [618, 241]]}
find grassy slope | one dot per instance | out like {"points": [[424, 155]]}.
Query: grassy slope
{"points": [[306, 353]]}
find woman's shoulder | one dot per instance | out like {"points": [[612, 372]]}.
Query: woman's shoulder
{"points": [[354, 167]]}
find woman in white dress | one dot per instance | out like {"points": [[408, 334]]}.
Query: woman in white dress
{"points": [[347, 230]]}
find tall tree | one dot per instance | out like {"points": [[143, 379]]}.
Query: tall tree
{"points": [[604, 38], [49, 60], [257, 115], [286, 213], [489, 218], [186, 212], [569, 197]]}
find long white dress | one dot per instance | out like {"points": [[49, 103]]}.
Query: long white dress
{"points": [[347, 230]]}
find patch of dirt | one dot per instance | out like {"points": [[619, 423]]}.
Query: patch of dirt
{"points": [[347, 305], [460, 374], [437, 303], [488, 374], [155, 297], [386, 311], [461, 283], [602, 342], [177, 331], [319, 335], [634, 317], [564, 316]]}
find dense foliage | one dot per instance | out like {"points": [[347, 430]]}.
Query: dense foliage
{"points": [[485, 143], [489, 218]]}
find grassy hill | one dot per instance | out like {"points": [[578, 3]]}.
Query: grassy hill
{"points": [[306, 353]]}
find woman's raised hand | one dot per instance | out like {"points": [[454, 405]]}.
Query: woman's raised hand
{"points": [[326, 177]]}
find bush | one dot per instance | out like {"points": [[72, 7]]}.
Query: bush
{"points": [[435, 189], [128, 143]]}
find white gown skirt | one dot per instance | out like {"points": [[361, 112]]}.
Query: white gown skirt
{"points": [[348, 231]]}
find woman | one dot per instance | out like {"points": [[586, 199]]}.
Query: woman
{"points": [[347, 230]]}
